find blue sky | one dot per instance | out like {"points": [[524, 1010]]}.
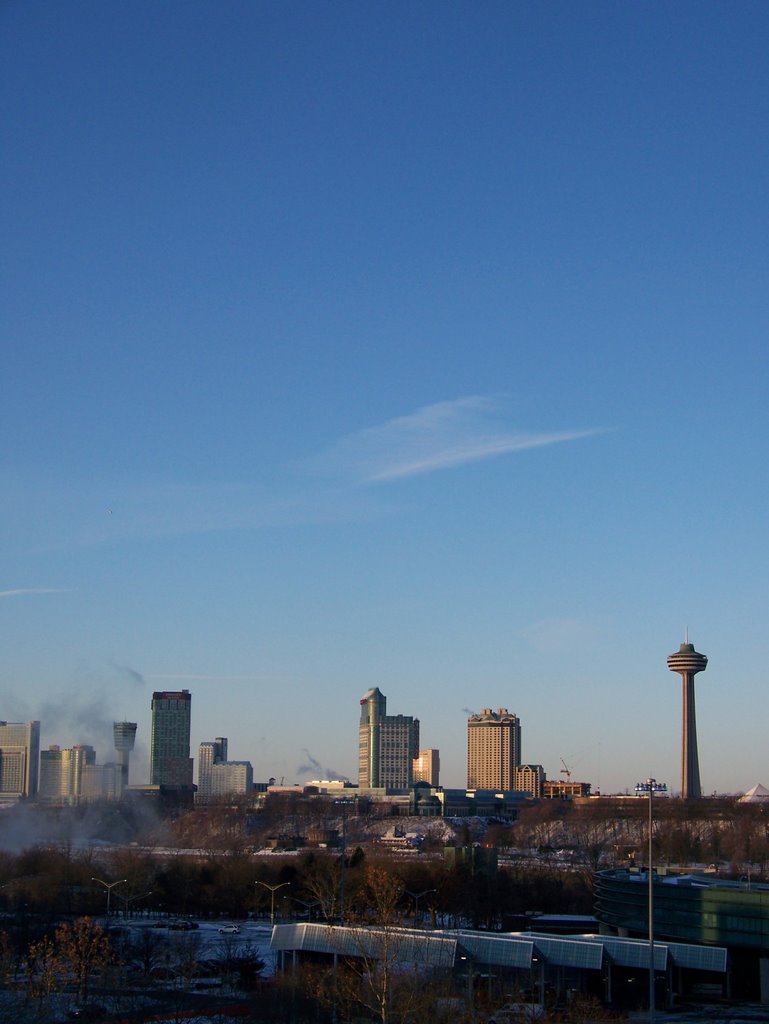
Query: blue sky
{"points": [[420, 346]]}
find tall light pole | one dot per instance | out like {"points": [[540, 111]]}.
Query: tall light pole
{"points": [[344, 804], [273, 889], [416, 896], [109, 886], [128, 901], [651, 786], [308, 907]]}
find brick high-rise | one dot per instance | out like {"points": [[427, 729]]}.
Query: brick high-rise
{"points": [[493, 749]]}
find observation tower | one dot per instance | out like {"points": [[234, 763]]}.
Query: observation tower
{"points": [[687, 663], [124, 736]]}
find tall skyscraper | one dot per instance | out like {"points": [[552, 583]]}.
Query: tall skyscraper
{"points": [[387, 744], [124, 738], [19, 760], [493, 749], [210, 753], [687, 663], [170, 761]]}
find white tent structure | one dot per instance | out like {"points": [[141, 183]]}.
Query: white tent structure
{"points": [[758, 794]]}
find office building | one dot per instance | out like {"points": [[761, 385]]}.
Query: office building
{"points": [[170, 761], [19, 760], [231, 778], [210, 753], [493, 749], [61, 772], [51, 784], [687, 663], [427, 767], [529, 778], [101, 782], [387, 745]]}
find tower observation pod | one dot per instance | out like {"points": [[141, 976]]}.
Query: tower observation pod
{"points": [[687, 663]]}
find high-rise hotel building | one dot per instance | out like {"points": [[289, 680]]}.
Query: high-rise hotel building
{"points": [[170, 761], [493, 749], [387, 745], [19, 760]]}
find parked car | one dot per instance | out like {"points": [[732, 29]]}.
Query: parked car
{"points": [[89, 1012], [182, 925], [229, 929]]}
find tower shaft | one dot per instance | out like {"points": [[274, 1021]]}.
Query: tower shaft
{"points": [[690, 762]]}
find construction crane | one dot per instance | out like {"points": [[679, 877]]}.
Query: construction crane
{"points": [[566, 770]]}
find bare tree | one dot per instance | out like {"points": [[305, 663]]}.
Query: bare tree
{"points": [[387, 973], [45, 969], [322, 883], [85, 947]]}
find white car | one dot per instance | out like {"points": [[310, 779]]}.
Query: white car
{"points": [[229, 929]]}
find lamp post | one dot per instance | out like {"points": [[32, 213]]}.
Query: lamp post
{"points": [[109, 886], [128, 901], [273, 889], [308, 907], [416, 896], [651, 786]]}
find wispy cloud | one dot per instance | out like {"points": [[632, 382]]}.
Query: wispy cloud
{"points": [[566, 633], [42, 514], [435, 437], [25, 591], [191, 675]]}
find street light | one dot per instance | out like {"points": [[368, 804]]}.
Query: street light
{"points": [[344, 804], [273, 889], [651, 786], [109, 886], [128, 900], [308, 907], [416, 896]]}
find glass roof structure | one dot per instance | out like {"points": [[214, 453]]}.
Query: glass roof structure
{"points": [[444, 947]]}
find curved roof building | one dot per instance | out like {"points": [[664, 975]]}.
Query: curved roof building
{"points": [[692, 908]]}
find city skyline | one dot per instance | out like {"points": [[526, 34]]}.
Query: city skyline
{"points": [[389, 754], [406, 347]]}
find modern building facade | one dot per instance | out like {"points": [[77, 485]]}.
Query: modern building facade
{"points": [[493, 749], [687, 663], [427, 767], [61, 772], [231, 778], [529, 778], [170, 761], [19, 760], [210, 752], [101, 782], [72, 776], [387, 744], [696, 908]]}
